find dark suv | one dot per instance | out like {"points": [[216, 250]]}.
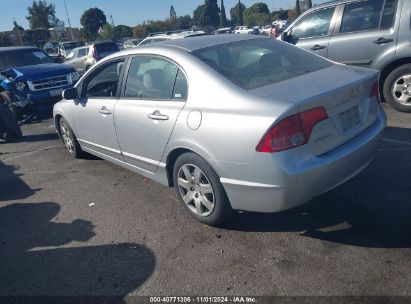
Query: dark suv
{"points": [[368, 33], [28, 74]]}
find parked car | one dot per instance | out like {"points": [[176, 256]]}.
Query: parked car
{"points": [[131, 43], [28, 74], [243, 30], [270, 130], [85, 57], [170, 36], [225, 30], [65, 48], [373, 34], [266, 30]]}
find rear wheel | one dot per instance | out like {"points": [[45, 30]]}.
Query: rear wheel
{"points": [[397, 88], [69, 139], [200, 190]]}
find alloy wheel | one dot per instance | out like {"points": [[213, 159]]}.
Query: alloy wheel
{"points": [[67, 137], [401, 90], [196, 190]]}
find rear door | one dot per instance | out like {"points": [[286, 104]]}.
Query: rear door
{"points": [[80, 62], [365, 31], [312, 32], [155, 91]]}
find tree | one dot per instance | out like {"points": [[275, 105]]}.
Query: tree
{"points": [[309, 4], [198, 16], [122, 31], [42, 15], [17, 27], [4, 40], [223, 17], [257, 14], [236, 14], [297, 8], [211, 13], [173, 15], [184, 22], [106, 32], [91, 20]]}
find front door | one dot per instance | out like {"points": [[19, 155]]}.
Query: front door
{"points": [[93, 115], [312, 31], [366, 33], [154, 94]]}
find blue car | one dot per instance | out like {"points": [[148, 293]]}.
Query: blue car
{"points": [[30, 76]]}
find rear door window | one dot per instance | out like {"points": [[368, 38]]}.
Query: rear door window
{"points": [[82, 52], [106, 49], [153, 78], [364, 16]]}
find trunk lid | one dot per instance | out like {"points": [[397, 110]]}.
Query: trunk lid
{"points": [[344, 92]]}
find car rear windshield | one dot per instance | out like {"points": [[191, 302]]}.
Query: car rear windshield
{"points": [[20, 58], [105, 49], [260, 62]]}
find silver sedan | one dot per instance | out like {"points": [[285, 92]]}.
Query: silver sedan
{"points": [[233, 122]]}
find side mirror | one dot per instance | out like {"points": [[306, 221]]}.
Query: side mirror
{"points": [[284, 36], [70, 94]]}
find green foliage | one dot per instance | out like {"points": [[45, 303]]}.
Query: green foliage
{"points": [[42, 15], [107, 33], [182, 22], [91, 20], [223, 17], [198, 16], [257, 14], [122, 31], [279, 15], [310, 4], [207, 15], [236, 14], [36, 37], [16, 26]]}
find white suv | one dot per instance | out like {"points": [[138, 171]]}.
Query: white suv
{"points": [[242, 30]]}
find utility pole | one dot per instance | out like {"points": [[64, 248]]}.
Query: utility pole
{"points": [[18, 31], [68, 19]]}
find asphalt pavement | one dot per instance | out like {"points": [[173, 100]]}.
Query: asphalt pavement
{"points": [[87, 227]]}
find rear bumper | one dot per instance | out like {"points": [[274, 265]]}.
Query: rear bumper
{"points": [[294, 186]]}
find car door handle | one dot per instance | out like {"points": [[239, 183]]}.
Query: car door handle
{"points": [[105, 111], [156, 115], [318, 47], [383, 40]]}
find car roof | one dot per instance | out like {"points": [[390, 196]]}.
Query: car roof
{"points": [[202, 42], [17, 48]]}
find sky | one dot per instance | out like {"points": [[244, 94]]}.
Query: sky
{"points": [[127, 12]]}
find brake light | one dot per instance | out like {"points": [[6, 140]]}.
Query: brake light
{"points": [[375, 91], [95, 54], [292, 131]]}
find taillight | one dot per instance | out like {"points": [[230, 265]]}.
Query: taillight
{"points": [[375, 91], [95, 54], [292, 131]]}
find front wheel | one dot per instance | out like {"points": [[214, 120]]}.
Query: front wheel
{"points": [[69, 139], [200, 190], [397, 88]]}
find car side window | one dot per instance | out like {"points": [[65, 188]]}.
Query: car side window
{"points": [[82, 52], [390, 9], [361, 16], [180, 86], [316, 24], [151, 78], [104, 83]]}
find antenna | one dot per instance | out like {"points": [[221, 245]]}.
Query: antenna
{"points": [[68, 19]]}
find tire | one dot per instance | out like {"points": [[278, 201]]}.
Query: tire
{"points": [[201, 192], [397, 88], [69, 139]]}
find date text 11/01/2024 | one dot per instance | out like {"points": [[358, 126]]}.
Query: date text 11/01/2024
{"points": [[237, 299]]}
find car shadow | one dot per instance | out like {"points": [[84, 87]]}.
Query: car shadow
{"points": [[32, 266], [12, 187], [39, 137], [372, 210]]}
